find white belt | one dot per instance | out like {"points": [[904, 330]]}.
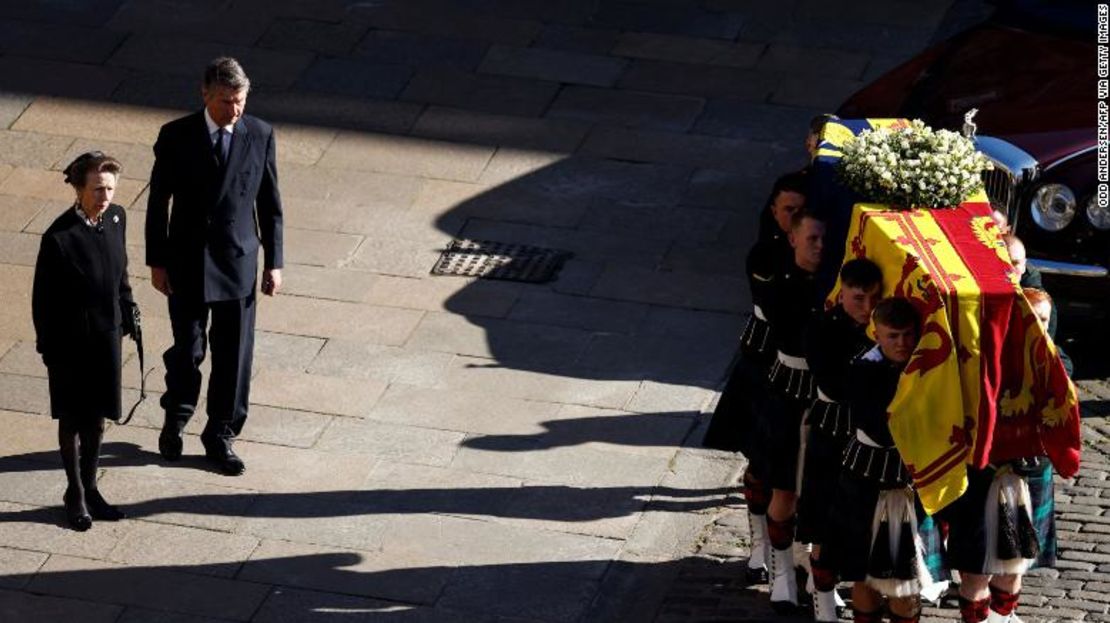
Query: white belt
{"points": [[798, 363], [757, 311], [823, 397], [866, 440]]}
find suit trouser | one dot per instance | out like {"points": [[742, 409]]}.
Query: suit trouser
{"points": [[231, 335]]}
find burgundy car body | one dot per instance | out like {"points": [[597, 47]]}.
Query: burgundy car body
{"points": [[1035, 88]]}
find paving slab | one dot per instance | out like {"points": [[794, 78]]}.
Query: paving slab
{"points": [[666, 147], [319, 282], [19, 566], [204, 552], [412, 49], [757, 121], [660, 222], [301, 144], [362, 78], [185, 56], [459, 295], [480, 92], [321, 318], [389, 364], [672, 360], [94, 120], [448, 20], [327, 37], [553, 65], [313, 392], [18, 248], [407, 156], [487, 129], [31, 149], [24, 76], [570, 465], [270, 468], [34, 528], [577, 38], [472, 542], [804, 61], [319, 248], [334, 111], [290, 605], [282, 351], [674, 18], [626, 108], [160, 496], [672, 289], [825, 92], [11, 106], [23, 393], [345, 571], [21, 606], [576, 312], [683, 49], [234, 24], [57, 41], [460, 410], [506, 341], [521, 591], [346, 187], [596, 246], [414, 441], [399, 257], [551, 385], [315, 518], [151, 587], [17, 212], [698, 80]]}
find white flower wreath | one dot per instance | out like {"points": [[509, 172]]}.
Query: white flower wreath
{"points": [[913, 166]]}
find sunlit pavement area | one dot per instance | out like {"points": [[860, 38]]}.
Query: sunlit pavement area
{"points": [[431, 448]]}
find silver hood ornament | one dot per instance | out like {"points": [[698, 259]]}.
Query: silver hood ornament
{"points": [[970, 128]]}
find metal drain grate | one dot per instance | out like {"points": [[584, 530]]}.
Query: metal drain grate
{"points": [[500, 260]]}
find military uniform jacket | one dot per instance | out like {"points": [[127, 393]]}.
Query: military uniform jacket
{"points": [[792, 299], [832, 340]]}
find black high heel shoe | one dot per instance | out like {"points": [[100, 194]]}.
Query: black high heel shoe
{"points": [[99, 508], [77, 515]]}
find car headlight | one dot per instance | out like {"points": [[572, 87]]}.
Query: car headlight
{"points": [[1053, 206], [1099, 216]]}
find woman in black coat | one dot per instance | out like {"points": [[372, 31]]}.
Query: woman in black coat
{"points": [[82, 307]]}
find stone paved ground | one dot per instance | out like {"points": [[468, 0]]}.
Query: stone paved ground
{"points": [[428, 448]]}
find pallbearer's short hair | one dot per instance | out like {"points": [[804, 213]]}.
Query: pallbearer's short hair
{"points": [[860, 273], [897, 313]]}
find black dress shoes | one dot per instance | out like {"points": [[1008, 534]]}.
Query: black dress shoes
{"points": [[170, 445], [220, 454]]}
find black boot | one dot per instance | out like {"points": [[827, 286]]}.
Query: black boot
{"points": [[77, 514], [99, 508]]}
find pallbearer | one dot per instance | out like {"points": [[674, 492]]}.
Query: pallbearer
{"points": [[832, 340], [884, 544], [792, 300]]}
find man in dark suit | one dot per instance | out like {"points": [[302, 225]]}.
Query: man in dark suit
{"points": [[218, 166]]}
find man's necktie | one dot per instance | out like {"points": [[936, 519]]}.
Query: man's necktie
{"points": [[221, 146]]}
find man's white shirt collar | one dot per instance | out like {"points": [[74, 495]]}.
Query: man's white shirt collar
{"points": [[212, 127]]}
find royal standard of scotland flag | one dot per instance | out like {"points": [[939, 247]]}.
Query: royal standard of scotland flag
{"points": [[985, 383]]}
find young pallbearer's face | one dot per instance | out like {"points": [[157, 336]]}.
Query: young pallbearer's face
{"points": [[858, 303], [783, 207], [897, 344]]}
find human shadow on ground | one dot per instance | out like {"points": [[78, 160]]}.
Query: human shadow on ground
{"points": [[348, 586]]}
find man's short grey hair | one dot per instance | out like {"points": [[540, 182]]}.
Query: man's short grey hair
{"points": [[226, 72]]}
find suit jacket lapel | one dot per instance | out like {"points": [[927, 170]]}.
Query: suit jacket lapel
{"points": [[240, 147]]}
